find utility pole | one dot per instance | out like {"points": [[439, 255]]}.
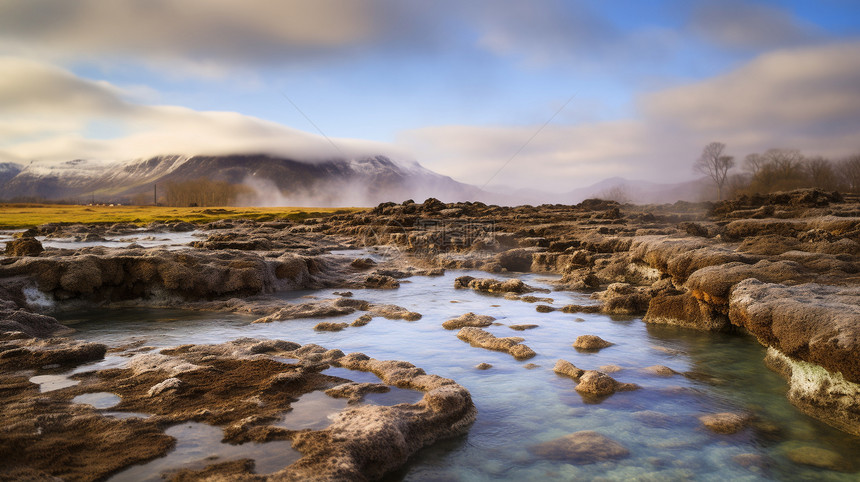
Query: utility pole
{"points": [[155, 194]]}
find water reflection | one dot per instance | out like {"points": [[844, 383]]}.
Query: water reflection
{"points": [[199, 445], [313, 411], [519, 408], [98, 400]]}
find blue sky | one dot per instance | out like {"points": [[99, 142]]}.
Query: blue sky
{"points": [[457, 86]]}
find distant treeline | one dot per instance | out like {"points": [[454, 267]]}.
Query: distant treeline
{"points": [[786, 169], [203, 192]]}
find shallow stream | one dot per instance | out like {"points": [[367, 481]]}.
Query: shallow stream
{"points": [[143, 238], [520, 405]]}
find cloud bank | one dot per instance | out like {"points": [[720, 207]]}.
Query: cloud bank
{"points": [[49, 114], [794, 98], [766, 78]]}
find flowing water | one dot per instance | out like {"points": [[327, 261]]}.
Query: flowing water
{"points": [[143, 238], [519, 404]]}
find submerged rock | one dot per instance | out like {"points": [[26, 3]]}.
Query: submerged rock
{"points": [[819, 457], [726, 422], [522, 327], [585, 447], [660, 370]]}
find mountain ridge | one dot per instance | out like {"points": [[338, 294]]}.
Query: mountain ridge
{"points": [[274, 180]]}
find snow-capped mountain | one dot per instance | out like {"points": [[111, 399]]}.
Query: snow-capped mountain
{"points": [[8, 170], [269, 179]]}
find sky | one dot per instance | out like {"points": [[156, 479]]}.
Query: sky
{"points": [[543, 94]]}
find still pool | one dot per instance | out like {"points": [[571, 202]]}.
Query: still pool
{"points": [[521, 405]]}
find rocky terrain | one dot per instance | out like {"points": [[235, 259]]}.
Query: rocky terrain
{"points": [[783, 267]]}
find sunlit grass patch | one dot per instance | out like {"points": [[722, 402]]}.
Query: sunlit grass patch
{"points": [[28, 215]]}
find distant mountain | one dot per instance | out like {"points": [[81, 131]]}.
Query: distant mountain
{"points": [[8, 171], [278, 181], [272, 180]]}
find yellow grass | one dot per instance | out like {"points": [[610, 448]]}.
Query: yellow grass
{"points": [[13, 216]]}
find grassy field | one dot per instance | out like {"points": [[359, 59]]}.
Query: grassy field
{"points": [[14, 216]]}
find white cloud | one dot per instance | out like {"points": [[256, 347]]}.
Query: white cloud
{"points": [[801, 98], [795, 98], [559, 158], [48, 114], [206, 33]]}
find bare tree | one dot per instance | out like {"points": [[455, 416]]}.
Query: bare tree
{"points": [[617, 193], [754, 162], [849, 170], [786, 162], [820, 174], [715, 164]]}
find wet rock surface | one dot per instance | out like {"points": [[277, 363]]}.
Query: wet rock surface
{"points": [[241, 386], [783, 267], [468, 319], [26, 246], [590, 343], [726, 422], [599, 384], [585, 447], [484, 339]]}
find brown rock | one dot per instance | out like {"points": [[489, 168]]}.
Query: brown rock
{"points": [[818, 457], [363, 263], [752, 461], [522, 327], [585, 447], [687, 311], [330, 326], [660, 370], [726, 422], [590, 343], [26, 246], [566, 368], [356, 391], [361, 320], [468, 319], [382, 282], [484, 339], [599, 384]]}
